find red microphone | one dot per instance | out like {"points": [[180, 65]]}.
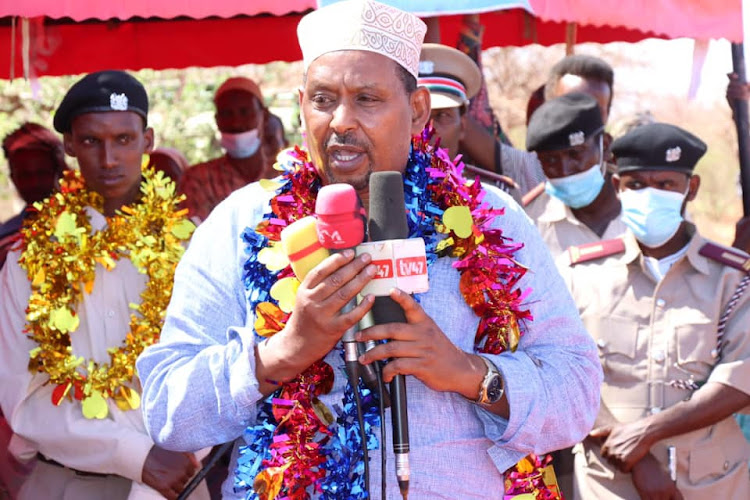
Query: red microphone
{"points": [[341, 217], [341, 224]]}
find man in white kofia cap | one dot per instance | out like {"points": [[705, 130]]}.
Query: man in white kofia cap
{"points": [[251, 353]]}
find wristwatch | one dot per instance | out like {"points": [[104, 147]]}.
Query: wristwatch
{"points": [[492, 387]]}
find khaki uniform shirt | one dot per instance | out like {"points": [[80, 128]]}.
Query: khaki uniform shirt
{"points": [[650, 333], [561, 230]]}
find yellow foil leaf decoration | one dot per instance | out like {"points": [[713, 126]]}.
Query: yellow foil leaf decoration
{"points": [[268, 319], [127, 399], [38, 278], [66, 225], [273, 257], [458, 219], [323, 412], [267, 483], [524, 466], [89, 286], [183, 229], [285, 291], [94, 406], [514, 335], [63, 320], [145, 160], [269, 184]]}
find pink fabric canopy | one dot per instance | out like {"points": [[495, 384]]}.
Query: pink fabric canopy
{"points": [[77, 36], [80, 10], [670, 18]]}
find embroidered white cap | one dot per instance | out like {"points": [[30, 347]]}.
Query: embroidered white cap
{"points": [[362, 25]]}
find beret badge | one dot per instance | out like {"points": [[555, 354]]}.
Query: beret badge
{"points": [[673, 154], [577, 138], [118, 102]]}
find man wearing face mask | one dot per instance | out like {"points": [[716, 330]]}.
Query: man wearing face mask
{"points": [[671, 317], [240, 116], [578, 206]]}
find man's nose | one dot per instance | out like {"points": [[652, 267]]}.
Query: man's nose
{"points": [[343, 119], [109, 155]]}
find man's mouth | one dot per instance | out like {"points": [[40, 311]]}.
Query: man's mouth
{"points": [[345, 158], [110, 179]]}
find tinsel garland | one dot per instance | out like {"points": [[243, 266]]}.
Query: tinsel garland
{"points": [[296, 442], [60, 252]]}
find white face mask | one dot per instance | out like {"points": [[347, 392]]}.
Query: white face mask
{"points": [[242, 145]]}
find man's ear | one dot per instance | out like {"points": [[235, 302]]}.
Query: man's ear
{"points": [[607, 138], [616, 184], [462, 132], [68, 144], [420, 109], [148, 136], [694, 183]]}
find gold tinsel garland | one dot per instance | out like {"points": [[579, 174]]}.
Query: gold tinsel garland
{"points": [[60, 254]]}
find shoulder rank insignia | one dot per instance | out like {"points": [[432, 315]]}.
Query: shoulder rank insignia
{"points": [[532, 195], [596, 250], [727, 256]]}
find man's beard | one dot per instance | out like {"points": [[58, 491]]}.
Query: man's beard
{"points": [[359, 183]]}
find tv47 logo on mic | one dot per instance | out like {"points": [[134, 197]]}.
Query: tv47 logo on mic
{"points": [[400, 264]]}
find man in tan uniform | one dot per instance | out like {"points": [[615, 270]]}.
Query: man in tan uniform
{"points": [[578, 205], [452, 79], [667, 310]]}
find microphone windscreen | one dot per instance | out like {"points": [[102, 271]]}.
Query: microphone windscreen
{"points": [[300, 243], [341, 218], [387, 207]]}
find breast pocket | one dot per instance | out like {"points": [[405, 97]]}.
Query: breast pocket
{"points": [[697, 348], [616, 340]]}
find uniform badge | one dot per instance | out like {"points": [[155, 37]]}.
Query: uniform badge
{"points": [[118, 102], [673, 154], [426, 67], [577, 138]]}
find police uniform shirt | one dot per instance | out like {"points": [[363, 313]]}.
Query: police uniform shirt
{"points": [[650, 333], [560, 229]]}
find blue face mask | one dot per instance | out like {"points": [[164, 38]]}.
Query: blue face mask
{"points": [[578, 190], [654, 215]]}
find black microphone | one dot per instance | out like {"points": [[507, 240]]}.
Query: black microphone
{"points": [[388, 222]]}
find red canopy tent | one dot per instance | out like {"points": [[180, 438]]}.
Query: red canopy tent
{"points": [[57, 37]]}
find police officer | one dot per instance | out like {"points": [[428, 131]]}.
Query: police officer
{"points": [[577, 206], [671, 318], [452, 79]]}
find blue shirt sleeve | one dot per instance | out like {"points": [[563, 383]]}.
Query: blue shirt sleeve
{"points": [[203, 369]]}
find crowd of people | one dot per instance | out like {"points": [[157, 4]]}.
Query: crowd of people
{"points": [[155, 341]]}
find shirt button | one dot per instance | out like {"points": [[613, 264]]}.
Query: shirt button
{"points": [[658, 356], [601, 343], [714, 353], [726, 465], [111, 313], [655, 410], [660, 302]]}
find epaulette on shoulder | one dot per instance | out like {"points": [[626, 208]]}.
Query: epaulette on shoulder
{"points": [[532, 195], [731, 257], [596, 250]]}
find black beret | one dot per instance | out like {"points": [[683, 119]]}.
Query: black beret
{"points": [[98, 92], [564, 122], [658, 146]]}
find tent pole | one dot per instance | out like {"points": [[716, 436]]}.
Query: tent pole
{"points": [[741, 123]]}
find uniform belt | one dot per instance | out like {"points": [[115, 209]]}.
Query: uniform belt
{"points": [[46, 460]]}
